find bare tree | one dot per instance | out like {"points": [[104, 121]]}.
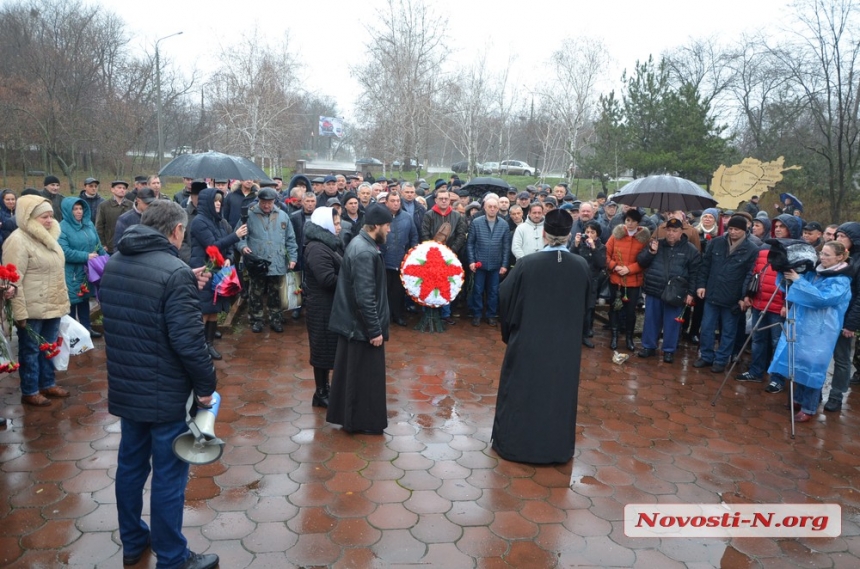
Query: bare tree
{"points": [[571, 98], [402, 74]]}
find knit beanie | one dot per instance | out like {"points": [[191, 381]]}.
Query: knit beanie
{"points": [[738, 222], [43, 207]]}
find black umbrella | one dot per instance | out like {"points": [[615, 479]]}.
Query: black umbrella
{"points": [[478, 187], [214, 165], [665, 193]]}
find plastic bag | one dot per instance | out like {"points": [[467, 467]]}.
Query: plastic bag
{"points": [[290, 289], [76, 338]]}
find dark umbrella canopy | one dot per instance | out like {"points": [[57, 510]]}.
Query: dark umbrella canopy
{"points": [[794, 201], [214, 165], [665, 193], [478, 187]]}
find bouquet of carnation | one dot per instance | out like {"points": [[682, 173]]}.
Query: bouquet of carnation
{"points": [[8, 277], [215, 259]]}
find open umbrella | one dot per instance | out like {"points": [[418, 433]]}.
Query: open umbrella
{"points": [[478, 187], [214, 165], [665, 193], [794, 201]]}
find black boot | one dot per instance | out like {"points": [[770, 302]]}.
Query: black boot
{"points": [[589, 323], [320, 398], [211, 328], [614, 343], [630, 345]]}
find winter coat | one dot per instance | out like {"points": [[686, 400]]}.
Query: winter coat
{"points": [[723, 273], [433, 220], [299, 219], [527, 239], [767, 284], [126, 220], [679, 260], [852, 317], [56, 202], [107, 217], [8, 224], [792, 222], [94, 202], [234, 201], [78, 239], [156, 350], [402, 238], [596, 259], [207, 229], [270, 237], [322, 264], [34, 250], [621, 250], [490, 247], [289, 209], [360, 309], [819, 302], [418, 213], [350, 228]]}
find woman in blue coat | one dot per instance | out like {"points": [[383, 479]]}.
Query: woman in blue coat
{"points": [[80, 243], [818, 300], [208, 228]]}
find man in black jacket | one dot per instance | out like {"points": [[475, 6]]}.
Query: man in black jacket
{"points": [[156, 358], [663, 259], [727, 261], [360, 317]]}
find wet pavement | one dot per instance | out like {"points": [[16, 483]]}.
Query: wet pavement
{"points": [[293, 491]]}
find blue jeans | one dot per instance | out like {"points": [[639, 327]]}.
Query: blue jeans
{"points": [[808, 398], [764, 343], [138, 443], [37, 371], [490, 281], [726, 319], [660, 316]]}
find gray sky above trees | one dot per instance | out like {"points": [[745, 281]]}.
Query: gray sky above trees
{"points": [[328, 37]]}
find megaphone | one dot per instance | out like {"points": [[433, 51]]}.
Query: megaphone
{"points": [[200, 445]]}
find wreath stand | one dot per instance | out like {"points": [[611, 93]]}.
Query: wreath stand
{"points": [[431, 320]]}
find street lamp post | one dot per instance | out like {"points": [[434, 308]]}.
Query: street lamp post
{"points": [[158, 101]]}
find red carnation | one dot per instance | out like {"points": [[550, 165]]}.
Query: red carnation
{"points": [[478, 265], [12, 273], [216, 259]]}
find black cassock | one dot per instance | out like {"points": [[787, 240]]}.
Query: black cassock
{"points": [[542, 306]]}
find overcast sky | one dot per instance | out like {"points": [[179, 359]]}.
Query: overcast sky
{"points": [[329, 35]]}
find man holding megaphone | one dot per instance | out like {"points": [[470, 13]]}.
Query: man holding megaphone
{"points": [[156, 358]]}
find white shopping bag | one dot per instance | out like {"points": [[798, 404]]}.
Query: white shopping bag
{"points": [[76, 339]]}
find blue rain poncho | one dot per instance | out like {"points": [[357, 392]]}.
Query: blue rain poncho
{"points": [[819, 304]]}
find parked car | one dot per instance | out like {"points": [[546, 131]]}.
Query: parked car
{"points": [[413, 165], [518, 168], [368, 162], [460, 167], [489, 168]]}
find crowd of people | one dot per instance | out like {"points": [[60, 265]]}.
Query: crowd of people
{"points": [[704, 276]]}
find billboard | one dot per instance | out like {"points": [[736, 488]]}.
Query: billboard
{"points": [[331, 126]]}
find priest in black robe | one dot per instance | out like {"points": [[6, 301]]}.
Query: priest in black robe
{"points": [[536, 407]]}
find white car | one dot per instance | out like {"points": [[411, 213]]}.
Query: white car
{"points": [[517, 168]]}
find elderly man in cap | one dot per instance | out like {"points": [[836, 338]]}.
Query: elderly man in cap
{"points": [[672, 257], [330, 190], [90, 194], [812, 234], [360, 317], [145, 196], [52, 192], [270, 237], [535, 419], [109, 213], [488, 251]]}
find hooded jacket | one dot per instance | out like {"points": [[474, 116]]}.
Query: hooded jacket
{"points": [[34, 250], [621, 250], [792, 222], [207, 229], [285, 194], [156, 350], [528, 238], [78, 239]]}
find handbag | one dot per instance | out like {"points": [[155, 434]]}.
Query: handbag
{"points": [[755, 283], [256, 266], [290, 289], [675, 291]]}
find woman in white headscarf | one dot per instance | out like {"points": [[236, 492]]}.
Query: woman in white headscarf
{"points": [[322, 258]]}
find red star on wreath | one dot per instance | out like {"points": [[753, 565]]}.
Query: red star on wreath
{"points": [[434, 274]]}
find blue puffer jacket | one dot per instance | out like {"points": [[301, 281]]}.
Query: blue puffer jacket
{"points": [[78, 239], [403, 237], [490, 248], [207, 229], [270, 237], [156, 350]]}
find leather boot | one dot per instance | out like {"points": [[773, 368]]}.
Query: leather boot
{"points": [[211, 328], [589, 323], [630, 345], [320, 398], [614, 343]]}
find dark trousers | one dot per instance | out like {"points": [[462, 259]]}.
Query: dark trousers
{"points": [[396, 293], [627, 315], [260, 287], [81, 313]]}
